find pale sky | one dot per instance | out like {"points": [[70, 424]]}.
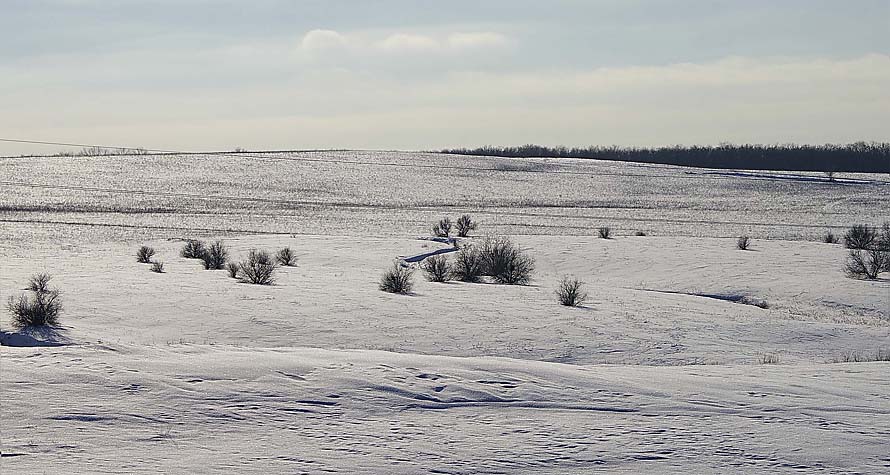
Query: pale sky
{"points": [[388, 74]]}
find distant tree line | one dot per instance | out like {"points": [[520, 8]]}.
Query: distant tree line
{"points": [[870, 157]]}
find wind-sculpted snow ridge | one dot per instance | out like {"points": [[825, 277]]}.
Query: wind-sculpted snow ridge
{"points": [[202, 409]]}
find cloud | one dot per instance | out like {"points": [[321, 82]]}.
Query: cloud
{"points": [[316, 41], [485, 39], [409, 43], [329, 41]]}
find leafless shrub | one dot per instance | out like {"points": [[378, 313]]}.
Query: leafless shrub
{"points": [[570, 292], [442, 228], [465, 224], [39, 282], [193, 249], [468, 264], [397, 280], [43, 307], [867, 264], [605, 232], [258, 268], [860, 236], [863, 356], [157, 266], [436, 268], [505, 262], [215, 256], [286, 257], [144, 254], [769, 358], [743, 242], [830, 238], [639, 233], [233, 268]]}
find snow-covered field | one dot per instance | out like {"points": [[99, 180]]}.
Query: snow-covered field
{"points": [[191, 372]]}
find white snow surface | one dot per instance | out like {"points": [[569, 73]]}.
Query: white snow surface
{"points": [[190, 371]]}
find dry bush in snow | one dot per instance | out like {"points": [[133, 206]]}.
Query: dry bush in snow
{"points": [[193, 249], [157, 266], [442, 228], [505, 262], [867, 264], [215, 256], [860, 236], [144, 254], [768, 358], [863, 356], [397, 280], [286, 257], [258, 268], [830, 238], [39, 282], [604, 232], [468, 264], [742, 243], [639, 233], [42, 307], [465, 224], [436, 268], [233, 268], [570, 292]]}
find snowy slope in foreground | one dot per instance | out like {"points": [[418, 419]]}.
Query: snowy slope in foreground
{"points": [[199, 409]]}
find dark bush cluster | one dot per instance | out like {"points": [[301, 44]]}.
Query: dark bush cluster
{"points": [[258, 268], [193, 249], [742, 243], [233, 268], [42, 307], [867, 157], [144, 254], [464, 225], [468, 264], [830, 238], [570, 292], [397, 280], [442, 228], [860, 236], [157, 266], [436, 268], [286, 257], [605, 232], [505, 262], [215, 256], [869, 251]]}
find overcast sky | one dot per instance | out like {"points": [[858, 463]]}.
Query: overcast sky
{"points": [[388, 74]]}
